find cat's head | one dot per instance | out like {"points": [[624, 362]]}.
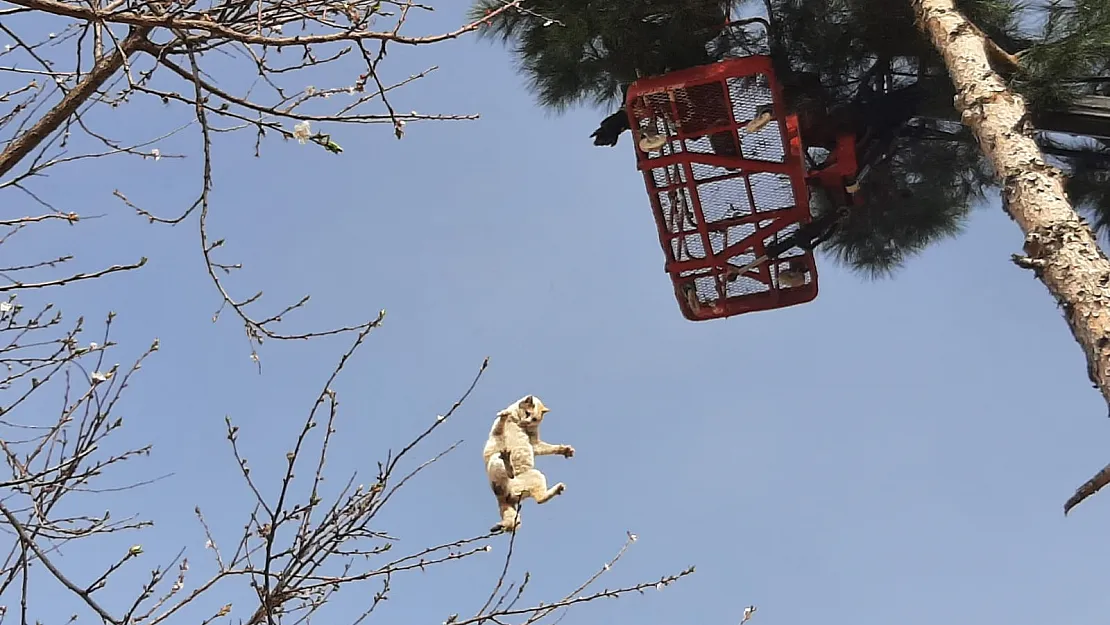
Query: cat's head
{"points": [[527, 411]]}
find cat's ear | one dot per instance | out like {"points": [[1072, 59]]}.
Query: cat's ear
{"points": [[527, 403]]}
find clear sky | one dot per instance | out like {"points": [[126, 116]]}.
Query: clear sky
{"points": [[896, 451]]}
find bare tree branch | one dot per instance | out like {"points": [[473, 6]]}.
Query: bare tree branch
{"points": [[299, 543]]}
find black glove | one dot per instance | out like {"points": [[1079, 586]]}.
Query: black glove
{"points": [[610, 129]]}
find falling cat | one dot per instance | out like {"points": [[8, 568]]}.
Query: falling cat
{"points": [[510, 457]]}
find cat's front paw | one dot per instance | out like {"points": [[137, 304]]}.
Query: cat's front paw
{"points": [[558, 489], [567, 451]]}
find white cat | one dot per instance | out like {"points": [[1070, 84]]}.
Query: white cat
{"points": [[509, 454]]}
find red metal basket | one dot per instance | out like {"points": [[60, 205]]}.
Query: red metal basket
{"points": [[721, 193]]}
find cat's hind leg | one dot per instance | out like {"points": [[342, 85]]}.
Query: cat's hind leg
{"points": [[533, 484], [510, 520], [504, 489]]}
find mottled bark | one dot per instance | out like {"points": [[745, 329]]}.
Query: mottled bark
{"points": [[1060, 248]]}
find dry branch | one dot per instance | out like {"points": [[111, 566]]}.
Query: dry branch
{"points": [[160, 49], [298, 545]]}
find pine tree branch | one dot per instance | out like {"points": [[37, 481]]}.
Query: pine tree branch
{"points": [[1087, 116], [1090, 487]]}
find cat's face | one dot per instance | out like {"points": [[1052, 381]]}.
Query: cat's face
{"points": [[528, 411]]}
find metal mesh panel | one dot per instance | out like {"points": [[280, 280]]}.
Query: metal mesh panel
{"points": [[728, 206], [677, 210], [722, 187], [710, 119], [724, 199], [749, 95], [772, 191]]}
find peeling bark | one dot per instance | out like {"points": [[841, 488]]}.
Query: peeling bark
{"points": [[1060, 248]]}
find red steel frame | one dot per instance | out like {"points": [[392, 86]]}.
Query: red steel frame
{"points": [[767, 222]]}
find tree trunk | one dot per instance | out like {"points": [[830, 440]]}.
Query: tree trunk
{"points": [[1061, 249]]}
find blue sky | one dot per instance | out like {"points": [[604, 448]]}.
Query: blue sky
{"points": [[895, 451]]}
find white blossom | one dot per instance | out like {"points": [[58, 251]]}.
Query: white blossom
{"points": [[156, 153], [302, 131], [6, 307], [98, 376]]}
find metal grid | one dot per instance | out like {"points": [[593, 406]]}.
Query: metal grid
{"points": [[721, 193]]}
